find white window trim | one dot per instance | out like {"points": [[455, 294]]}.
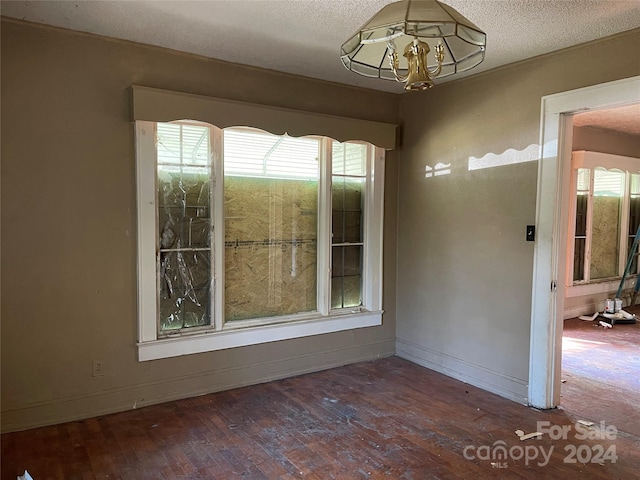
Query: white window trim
{"points": [[207, 342], [151, 347]]}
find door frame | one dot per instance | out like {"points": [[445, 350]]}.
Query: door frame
{"points": [[549, 260]]}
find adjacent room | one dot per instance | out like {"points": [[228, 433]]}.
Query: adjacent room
{"points": [[318, 239], [600, 363]]}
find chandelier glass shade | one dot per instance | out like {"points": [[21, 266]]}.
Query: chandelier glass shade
{"points": [[396, 44]]}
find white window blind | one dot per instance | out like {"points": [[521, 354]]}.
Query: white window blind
{"points": [[182, 144], [252, 153]]}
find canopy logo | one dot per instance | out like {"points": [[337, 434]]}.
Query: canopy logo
{"points": [[499, 453]]}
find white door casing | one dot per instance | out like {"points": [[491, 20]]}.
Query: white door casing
{"points": [[551, 217]]}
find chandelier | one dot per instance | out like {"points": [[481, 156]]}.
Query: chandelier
{"points": [[415, 28]]}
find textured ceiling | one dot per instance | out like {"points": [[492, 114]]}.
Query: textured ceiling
{"points": [[622, 119], [304, 37]]}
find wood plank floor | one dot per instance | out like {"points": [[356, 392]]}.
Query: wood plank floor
{"points": [[387, 418], [601, 371]]}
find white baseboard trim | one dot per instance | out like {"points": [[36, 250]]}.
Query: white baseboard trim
{"points": [[591, 307], [79, 407], [587, 309], [508, 387]]}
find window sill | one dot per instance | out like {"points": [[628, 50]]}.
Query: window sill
{"points": [[604, 287], [207, 342]]}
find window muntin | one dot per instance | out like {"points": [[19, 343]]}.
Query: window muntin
{"points": [[180, 169]]}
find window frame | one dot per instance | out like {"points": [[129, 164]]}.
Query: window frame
{"points": [[592, 160], [223, 335]]}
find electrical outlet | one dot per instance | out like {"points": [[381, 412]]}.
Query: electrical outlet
{"points": [[98, 368]]}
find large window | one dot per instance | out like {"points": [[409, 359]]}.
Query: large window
{"points": [[605, 216], [246, 237]]}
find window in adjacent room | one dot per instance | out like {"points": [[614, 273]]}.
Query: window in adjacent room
{"points": [[634, 221], [606, 215]]}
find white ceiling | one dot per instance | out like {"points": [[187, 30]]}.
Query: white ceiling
{"points": [[304, 37]]}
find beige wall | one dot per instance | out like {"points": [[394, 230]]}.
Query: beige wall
{"points": [[464, 267], [605, 141], [68, 227]]}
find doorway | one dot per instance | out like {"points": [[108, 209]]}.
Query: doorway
{"points": [[600, 365], [549, 272]]}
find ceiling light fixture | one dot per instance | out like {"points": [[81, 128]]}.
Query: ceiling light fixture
{"points": [[416, 27]]}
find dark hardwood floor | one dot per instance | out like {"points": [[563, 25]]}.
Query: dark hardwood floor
{"points": [[387, 418], [601, 372]]}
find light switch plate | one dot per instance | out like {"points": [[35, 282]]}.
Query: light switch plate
{"points": [[531, 233]]}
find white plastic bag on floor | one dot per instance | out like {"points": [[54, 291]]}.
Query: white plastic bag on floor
{"points": [[26, 476]]}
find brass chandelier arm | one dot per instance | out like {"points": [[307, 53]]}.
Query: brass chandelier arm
{"points": [[439, 58], [393, 61]]}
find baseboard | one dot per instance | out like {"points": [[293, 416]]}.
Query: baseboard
{"points": [[591, 307], [587, 309], [62, 410], [495, 382]]}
